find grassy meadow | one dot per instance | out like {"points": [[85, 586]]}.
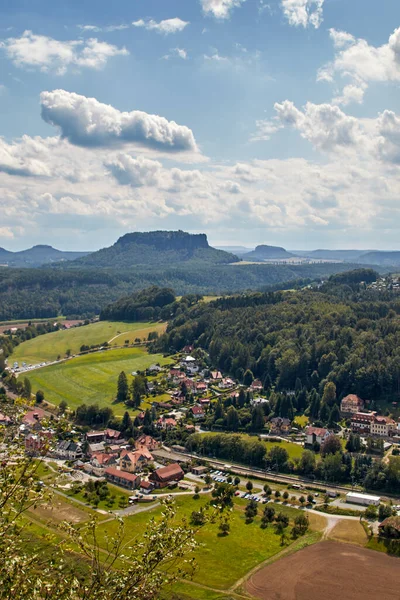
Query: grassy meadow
{"points": [[91, 378], [48, 347]]}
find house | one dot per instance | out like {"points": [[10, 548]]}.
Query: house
{"points": [[256, 386], [129, 481], [187, 349], [166, 423], [113, 436], [351, 404], [69, 450], [146, 486], [154, 369], [280, 425], [204, 402], [198, 412], [166, 475], [148, 441], [95, 437], [390, 527], [134, 462], [361, 422], [102, 460], [316, 435], [199, 470], [383, 426], [200, 387], [94, 448], [35, 444], [33, 417], [215, 375], [226, 383], [5, 419], [257, 401]]}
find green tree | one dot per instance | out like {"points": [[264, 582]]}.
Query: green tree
{"points": [[232, 419], [248, 378], [251, 511], [126, 423], [122, 388], [329, 395], [301, 524], [27, 388], [249, 486], [62, 407], [39, 396]]}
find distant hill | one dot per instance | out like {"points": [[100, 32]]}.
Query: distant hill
{"points": [[345, 255], [384, 259], [264, 252], [36, 256], [157, 249]]}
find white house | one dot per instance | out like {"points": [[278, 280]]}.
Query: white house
{"points": [[316, 435]]}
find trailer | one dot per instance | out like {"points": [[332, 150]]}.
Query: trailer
{"points": [[362, 499]]}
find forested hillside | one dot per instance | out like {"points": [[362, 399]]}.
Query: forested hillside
{"points": [[301, 340], [84, 292]]}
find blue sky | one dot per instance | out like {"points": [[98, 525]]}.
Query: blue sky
{"points": [[269, 121]]}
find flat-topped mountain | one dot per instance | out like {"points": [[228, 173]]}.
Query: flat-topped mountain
{"points": [[157, 249], [36, 256], [264, 252]]}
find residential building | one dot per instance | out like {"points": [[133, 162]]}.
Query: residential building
{"points": [[35, 444], [134, 462], [166, 423], [69, 450], [198, 412], [351, 404], [148, 441], [5, 419], [316, 435], [94, 448], [199, 470], [146, 486], [383, 426], [166, 475], [256, 386], [129, 481], [361, 422], [33, 417], [113, 436], [280, 425], [95, 437], [215, 375]]}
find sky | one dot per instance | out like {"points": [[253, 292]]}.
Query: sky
{"points": [[253, 121]]}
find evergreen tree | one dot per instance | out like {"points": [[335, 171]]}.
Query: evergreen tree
{"points": [[232, 419], [126, 423], [248, 378], [329, 395], [122, 388], [257, 418]]}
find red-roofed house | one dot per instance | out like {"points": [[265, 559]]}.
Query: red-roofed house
{"points": [[351, 404], [256, 386], [316, 435], [166, 475], [146, 486], [166, 423], [126, 480], [148, 441], [134, 462], [198, 412]]}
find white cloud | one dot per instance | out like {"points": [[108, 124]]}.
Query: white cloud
{"points": [[265, 129], [49, 55], [166, 27], [176, 53], [24, 158], [136, 172], [5, 232], [303, 12], [361, 63], [87, 122], [106, 29], [324, 125], [216, 57], [220, 9]]}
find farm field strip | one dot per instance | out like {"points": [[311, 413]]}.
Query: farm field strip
{"points": [[91, 378], [48, 347]]}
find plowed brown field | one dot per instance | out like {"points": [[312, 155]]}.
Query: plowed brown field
{"points": [[329, 570]]}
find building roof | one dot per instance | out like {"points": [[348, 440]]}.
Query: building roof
{"points": [[167, 473], [122, 474], [318, 431], [146, 485], [363, 496], [393, 522], [353, 399], [197, 410], [113, 434]]}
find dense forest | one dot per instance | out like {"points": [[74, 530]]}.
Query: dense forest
{"points": [[341, 333], [84, 292]]}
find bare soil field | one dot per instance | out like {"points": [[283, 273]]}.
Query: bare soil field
{"points": [[60, 511], [328, 570]]}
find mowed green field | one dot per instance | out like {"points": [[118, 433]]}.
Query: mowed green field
{"points": [[91, 378], [48, 347]]}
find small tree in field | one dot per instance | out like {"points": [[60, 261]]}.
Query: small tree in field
{"points": [[277, 494], [302, 500], [236, 481], [267, 490], [285, 495], [249, 486]]}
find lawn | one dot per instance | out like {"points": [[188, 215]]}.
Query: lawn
{"points": [[91, 378], [294, 450], [46, 348], [116, 500], [221, 560]]}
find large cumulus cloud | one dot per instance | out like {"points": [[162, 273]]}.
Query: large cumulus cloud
{"points": [[87, 122]]}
